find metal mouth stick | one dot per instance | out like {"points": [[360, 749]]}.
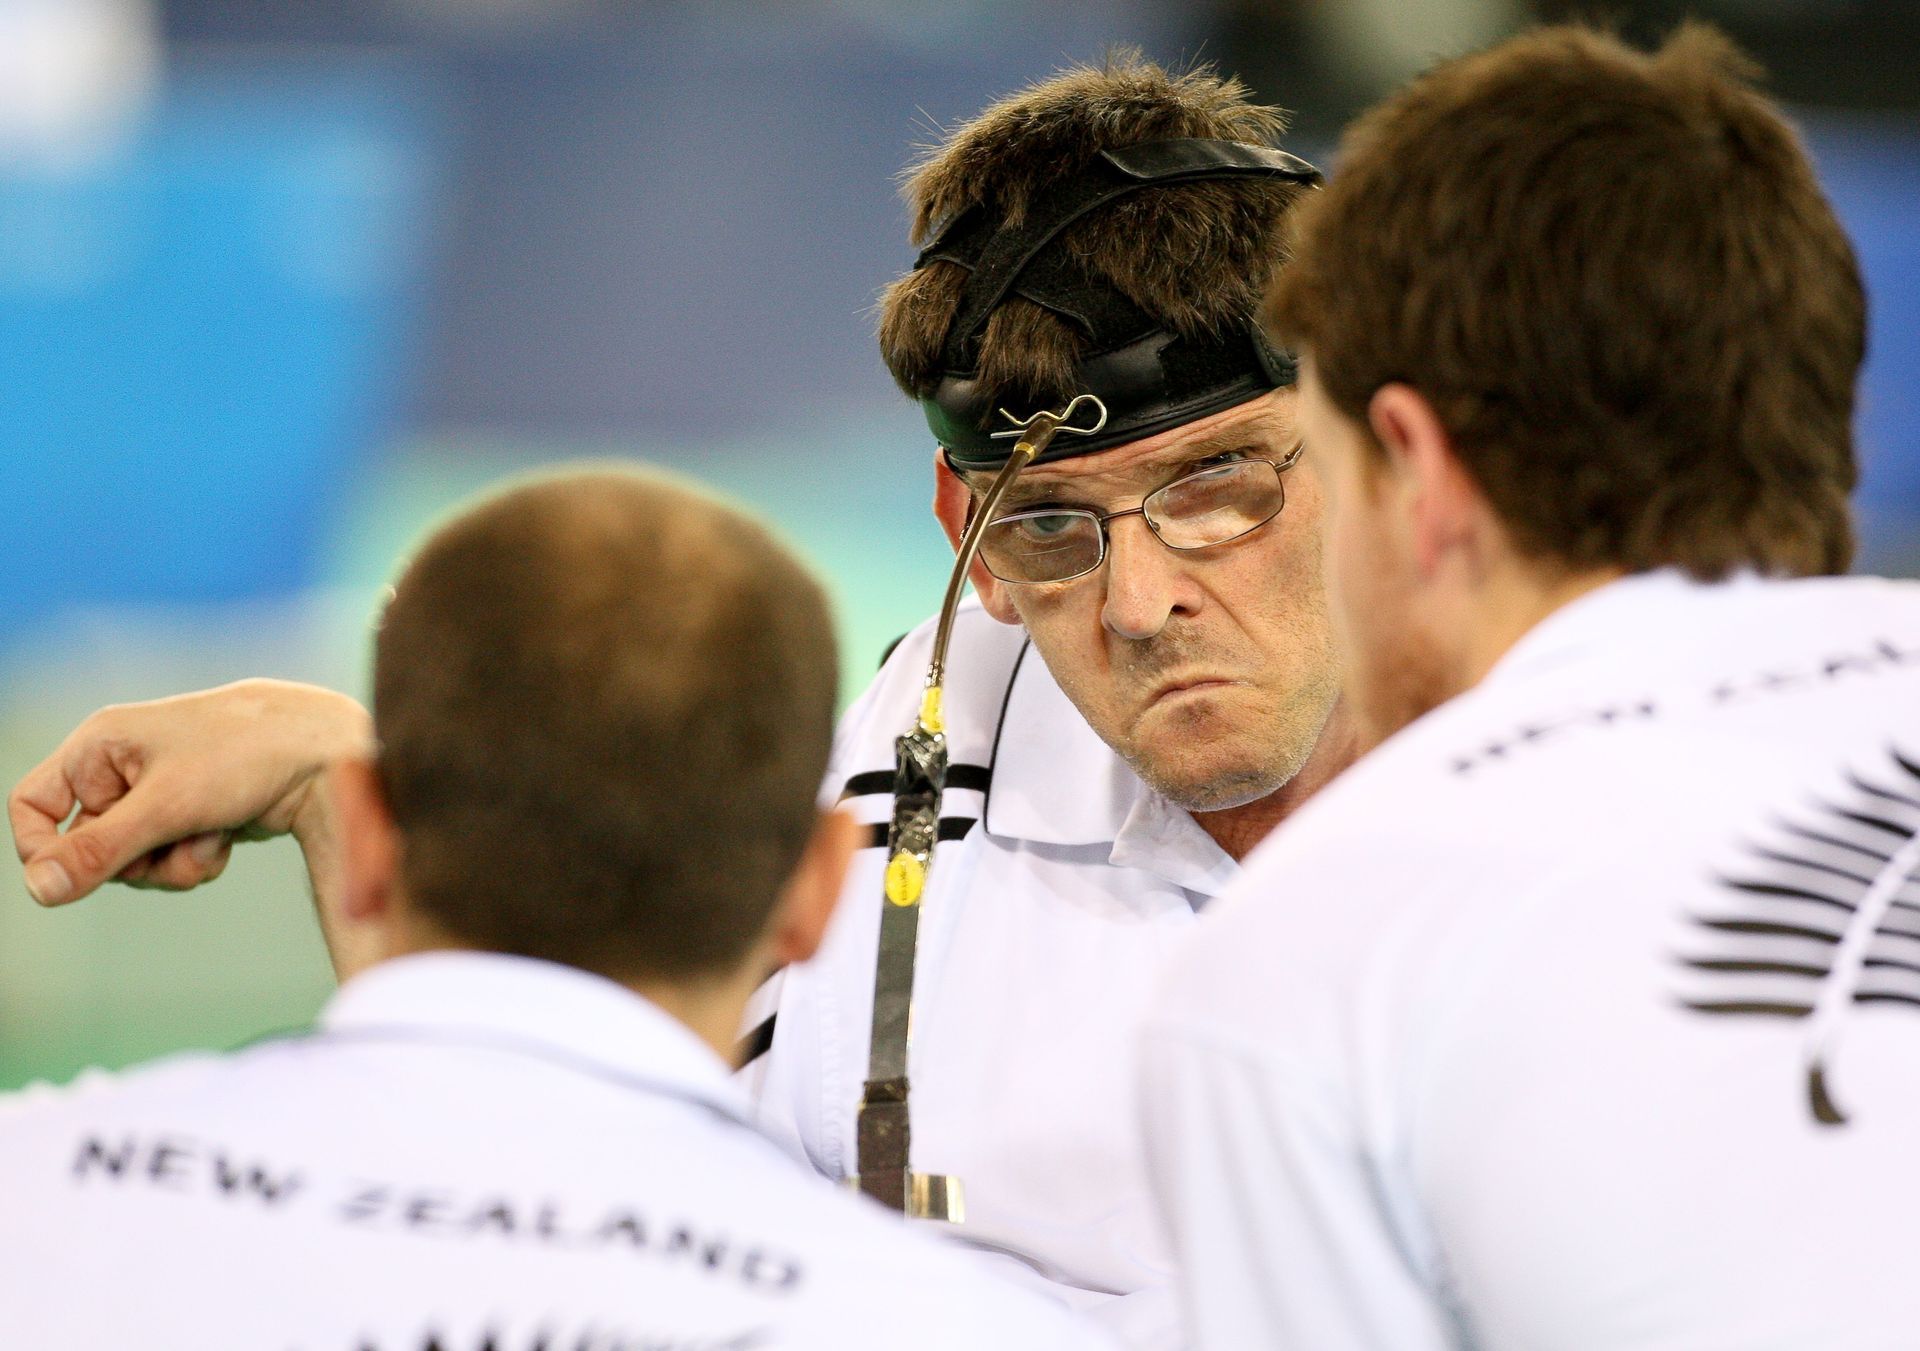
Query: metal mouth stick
{"points": [[883, 1133]]}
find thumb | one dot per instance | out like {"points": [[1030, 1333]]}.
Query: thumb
{"points": [[77, 863]]}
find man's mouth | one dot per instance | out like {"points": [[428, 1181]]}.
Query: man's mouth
{"points": [[1180, 686]]}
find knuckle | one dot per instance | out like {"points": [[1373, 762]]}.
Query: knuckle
{"points": [[89, 854], [103, 723]]}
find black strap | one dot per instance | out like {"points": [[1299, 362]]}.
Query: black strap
{"points": [[1149, 377], [1005, 254], [951, 828], [1160, 382], [882, 1134]]}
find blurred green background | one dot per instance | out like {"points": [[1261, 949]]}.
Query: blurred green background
{"points": [[130, 974], [281, 283]]}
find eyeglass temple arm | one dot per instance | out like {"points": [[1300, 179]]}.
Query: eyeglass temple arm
{"points": [[1036, 433]]}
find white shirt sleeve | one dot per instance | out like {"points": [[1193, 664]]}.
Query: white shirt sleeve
{"points": [[1277, 1216]]}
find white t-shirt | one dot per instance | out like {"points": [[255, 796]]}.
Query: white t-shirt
{"points": [[469, 1152], [1509, 1038], [1062, 887]]}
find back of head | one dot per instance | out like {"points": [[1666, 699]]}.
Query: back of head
{"points": [[1189, 258], [604, 702], [1614, 276]]}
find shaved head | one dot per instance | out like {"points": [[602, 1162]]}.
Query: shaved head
{"points": [[604, 702]]}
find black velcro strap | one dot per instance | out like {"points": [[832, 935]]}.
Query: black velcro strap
{"points": [[883, 1142], [1173, 161], [951, 828], [893, 996], [1149, 378], [1159, 382]]}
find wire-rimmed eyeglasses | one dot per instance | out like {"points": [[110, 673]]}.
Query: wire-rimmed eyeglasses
{"points": [[1214, 505]]}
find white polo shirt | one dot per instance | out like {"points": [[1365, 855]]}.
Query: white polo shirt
{"points": [[1061, 888], [1509, 1038], [469, 1152]]}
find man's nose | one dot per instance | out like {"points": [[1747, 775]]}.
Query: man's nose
{"points": [[1147, 583]]}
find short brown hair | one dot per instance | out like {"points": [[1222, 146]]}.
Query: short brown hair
{"points": [[1194, 257], [604, 702], [1614, 276]]}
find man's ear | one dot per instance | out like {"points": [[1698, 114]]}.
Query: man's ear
{"points": [[952, 500], [1440, 506], [356, 917], [806, 902]]}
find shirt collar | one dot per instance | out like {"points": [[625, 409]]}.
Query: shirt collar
{"points": [[1166, 841], [1631, 611], [1056, 782], [543, 1008]]}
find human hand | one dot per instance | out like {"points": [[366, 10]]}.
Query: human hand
{"points": [[158, 792]]}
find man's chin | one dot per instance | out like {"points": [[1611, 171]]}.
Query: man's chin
{"points": [[1212, 788], [1210, 764]]}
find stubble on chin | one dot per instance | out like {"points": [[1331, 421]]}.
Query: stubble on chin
{"points": [[1233, 761]]}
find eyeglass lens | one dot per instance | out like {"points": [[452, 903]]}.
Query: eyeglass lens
{"points": [[1213, 506]]}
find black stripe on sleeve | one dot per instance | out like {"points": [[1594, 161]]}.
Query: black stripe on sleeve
{"points": [[877, 781], [975, 777], [866, 785], [755, 1044]]}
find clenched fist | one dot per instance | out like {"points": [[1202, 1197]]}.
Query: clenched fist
{"points": [[155, 794]]}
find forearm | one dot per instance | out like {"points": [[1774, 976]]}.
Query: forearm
{"points": [[341, 730], [319, 839]]}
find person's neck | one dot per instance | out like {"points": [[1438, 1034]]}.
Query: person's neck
{"points": [[1511, 605], [1238, 829], [712, 1010], [711, 1007]]}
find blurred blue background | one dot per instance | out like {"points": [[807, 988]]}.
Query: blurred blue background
{"points": [[280, 283]]}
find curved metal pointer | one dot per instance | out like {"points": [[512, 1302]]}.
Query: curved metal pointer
{"points": [[883, 1132]]}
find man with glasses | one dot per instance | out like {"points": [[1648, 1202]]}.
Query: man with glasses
{"points": [[1144, 686]]}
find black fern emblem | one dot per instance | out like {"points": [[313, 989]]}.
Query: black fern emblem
{"points": [[1827, 917]]}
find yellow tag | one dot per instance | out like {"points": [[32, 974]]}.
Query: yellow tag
{"points": [[906, 878], [932, 716]]}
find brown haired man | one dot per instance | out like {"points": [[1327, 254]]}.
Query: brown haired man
{"points": [[514, 1127], [1581, 1012], [1144, 686]]}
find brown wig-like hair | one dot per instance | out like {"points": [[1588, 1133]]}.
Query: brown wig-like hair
{"points": [[1196, 257]]}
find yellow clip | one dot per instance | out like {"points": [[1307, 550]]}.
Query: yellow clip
{"points": [[932, 716], [906, 878]]}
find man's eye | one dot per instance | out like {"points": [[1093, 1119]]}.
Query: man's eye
{"points": [[1045, 527]]}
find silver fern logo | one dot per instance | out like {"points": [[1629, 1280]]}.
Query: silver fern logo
{"points": [[1825, 917]]}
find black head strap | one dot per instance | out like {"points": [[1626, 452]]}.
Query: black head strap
{"points": [[1150, 379]]}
